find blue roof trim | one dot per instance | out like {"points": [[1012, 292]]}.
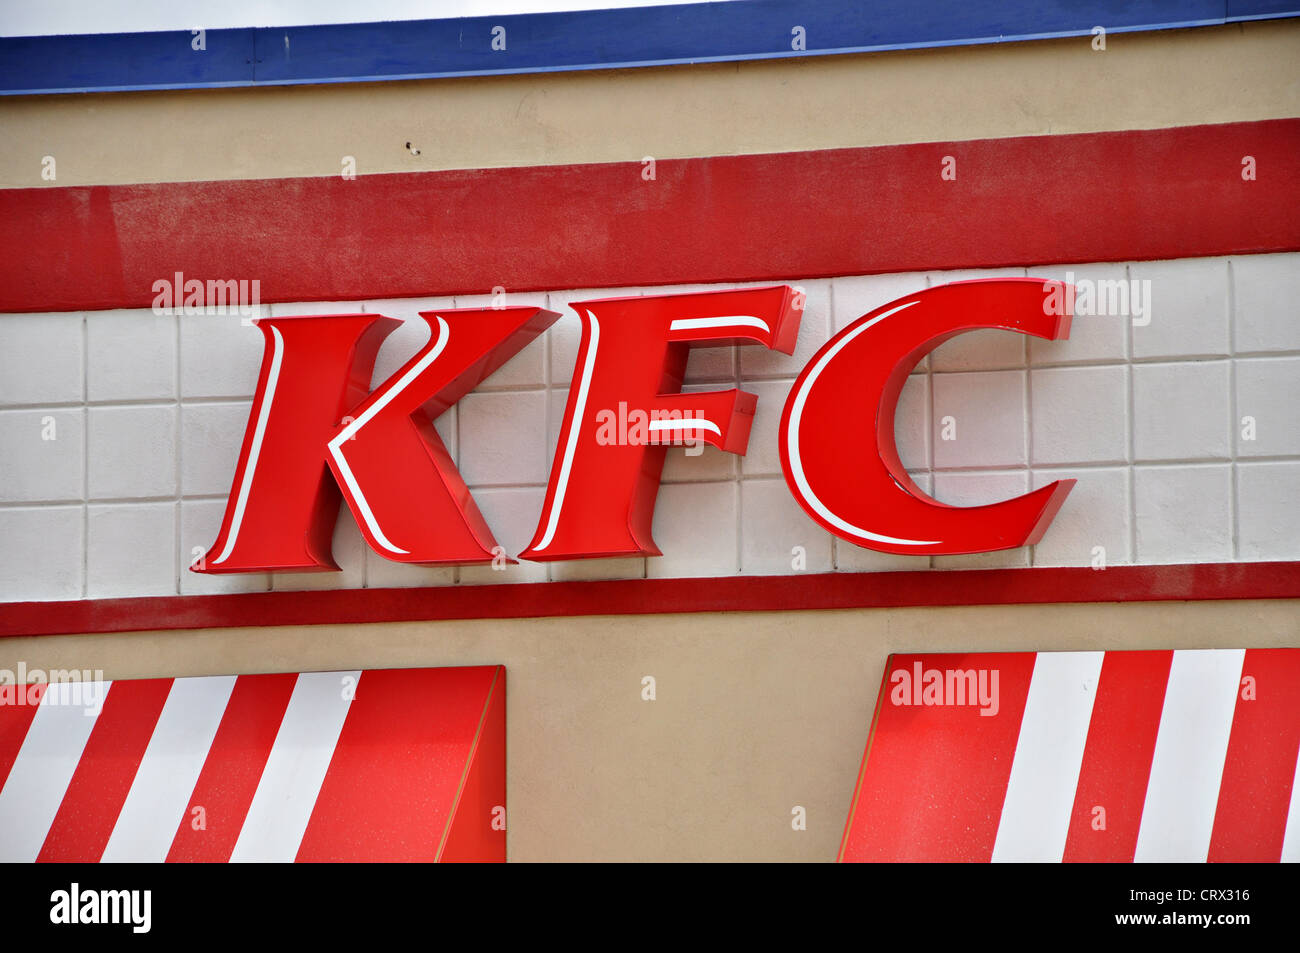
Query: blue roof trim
{"points": [[590, 39]]}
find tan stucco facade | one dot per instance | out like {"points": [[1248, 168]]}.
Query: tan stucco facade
{"points": [[1238, 73]]}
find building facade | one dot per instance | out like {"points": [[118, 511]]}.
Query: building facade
{"points": [[712, 702]]}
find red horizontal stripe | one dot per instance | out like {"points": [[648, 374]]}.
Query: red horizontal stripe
{"points": [[870, 590], [1112, 196]]}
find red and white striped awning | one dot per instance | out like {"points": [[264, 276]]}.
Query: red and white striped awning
{"points": [[377, 765], [1082, 756]]}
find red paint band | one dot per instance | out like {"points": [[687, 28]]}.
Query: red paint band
{"points": [[1038, 200], [869, 590]]}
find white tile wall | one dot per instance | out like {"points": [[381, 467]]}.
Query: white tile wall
{"points": [[219, 355], [149, 413], [1188, 309], [131, 452], [131, 547], [696, 526], [987, 425], [131, 355], [776, 535], [1268, 391], [1266, 297], [1080, 414], [1181, 411], [43, 456], [1268, 519], [1183, 513], [42, 359], [1094, 338], [511, 513], [42, 552]]}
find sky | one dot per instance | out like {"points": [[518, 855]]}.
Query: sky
{"points": [[45, 17]]}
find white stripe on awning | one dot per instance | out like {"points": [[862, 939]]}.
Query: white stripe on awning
{"points": [[286, 794], [1049, 753], [169, 770], [1187, 766], [43, 769]]}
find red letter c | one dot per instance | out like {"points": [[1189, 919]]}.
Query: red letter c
{"points": [[839, 456]]}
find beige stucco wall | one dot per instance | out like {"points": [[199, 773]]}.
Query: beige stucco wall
{"points": [[1237, 73], [755, 712]]}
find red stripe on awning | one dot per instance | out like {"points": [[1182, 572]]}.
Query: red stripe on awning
{"points": [[1110, 196], [1260, 766], [99, 786], [1117, 757], [233, 767], [935, 778]]}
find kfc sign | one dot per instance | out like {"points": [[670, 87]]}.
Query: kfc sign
{"points": [[315, 436]]}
